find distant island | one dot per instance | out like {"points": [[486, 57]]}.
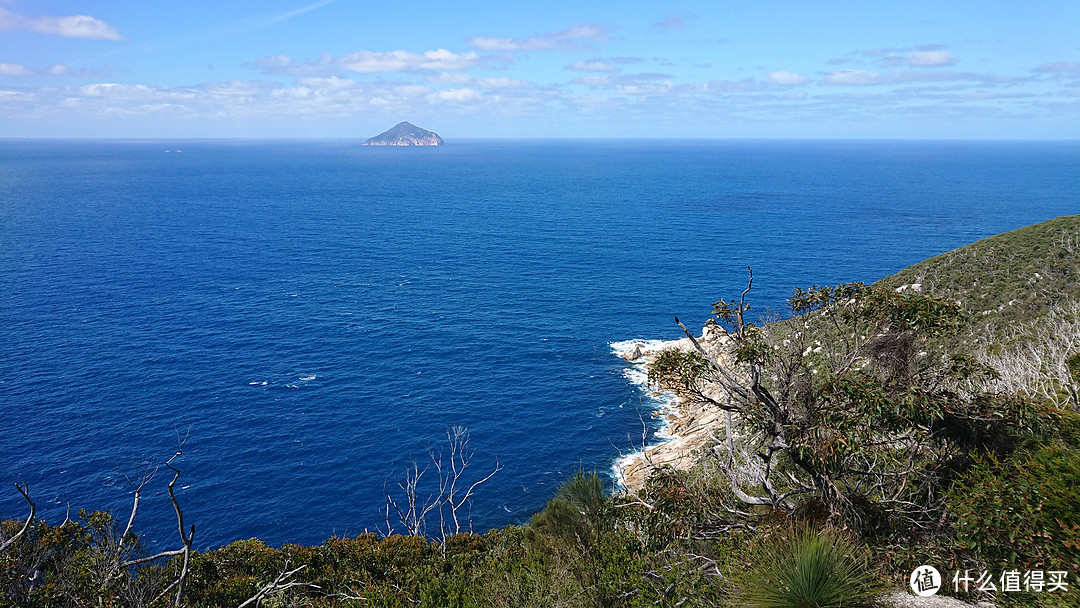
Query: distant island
{"points": [[405, 134]]}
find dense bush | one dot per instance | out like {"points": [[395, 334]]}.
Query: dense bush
{"points": [[1022, 512]]}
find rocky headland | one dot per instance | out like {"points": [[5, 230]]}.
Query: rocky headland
{"points": [[687, 424]]}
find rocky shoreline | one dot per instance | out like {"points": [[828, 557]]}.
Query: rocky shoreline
{"points": [[687, 424]]}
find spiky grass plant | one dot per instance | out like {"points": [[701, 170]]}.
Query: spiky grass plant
{"points": [[812, 568]]}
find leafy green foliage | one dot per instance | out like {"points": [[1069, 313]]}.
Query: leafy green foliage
{"points": [[1022, 511], [681, 370], [76, 563]]}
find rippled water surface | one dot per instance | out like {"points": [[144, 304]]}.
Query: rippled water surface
{"points": [[316, 314]]}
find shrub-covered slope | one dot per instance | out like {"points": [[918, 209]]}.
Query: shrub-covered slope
{"points": [[1008, 279]]}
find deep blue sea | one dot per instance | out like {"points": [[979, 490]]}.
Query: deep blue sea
{"points": [[316, 314]]}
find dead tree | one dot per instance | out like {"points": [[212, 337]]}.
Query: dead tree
{"points": [[411, 508], [25, 491], [455, 490], [115, 553], [186, 534], [451, 496]]}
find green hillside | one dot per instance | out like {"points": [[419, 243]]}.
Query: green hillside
{"points": [[1004, 280]]}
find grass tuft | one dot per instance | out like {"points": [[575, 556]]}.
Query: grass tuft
{"points": [[812, 569]]}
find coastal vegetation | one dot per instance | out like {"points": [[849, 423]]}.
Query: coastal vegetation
{"points": [[928, 419]]}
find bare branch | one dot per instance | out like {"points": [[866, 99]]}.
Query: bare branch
{"points": [[278, 584], [453, 496], [25, 491], [185, 538]]}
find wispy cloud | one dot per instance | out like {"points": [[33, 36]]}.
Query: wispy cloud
{"points": [[286, 65], [920, 59], [370, 62], [930, 58], [853, 77], [59, 69], [73, 26], [1060, 68], [787, 79], [274, 19], [614, 81], [14, 69], [920, 56], [568, 39], [671, 22], [902, 77], [591, 65], [462, 79], [367, 62]]}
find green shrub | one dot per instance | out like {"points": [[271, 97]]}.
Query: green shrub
{"points": [[578, 513], [811, 568], [1022, 512]]}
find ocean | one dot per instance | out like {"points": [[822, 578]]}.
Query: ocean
{"points": [[314, 315]]}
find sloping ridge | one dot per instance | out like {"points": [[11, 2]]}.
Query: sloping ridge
{"points": [[1004, 280]]}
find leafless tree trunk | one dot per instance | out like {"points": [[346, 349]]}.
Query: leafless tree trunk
{"points": [[452, 496], [186, 537], [455, 490], [25, 491]]}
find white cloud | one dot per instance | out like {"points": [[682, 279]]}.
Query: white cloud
{"points": [[283, 64], [368, 62], [624, 82], [73, 26], [457, 95], [645, 89], [930, 58], [14, 69], [853, 77], [460, 79], [787, 79], [333, 83], [593, 81], [273, 62], [567, 39], [59, 69], [591, 65], [745, 85], [15, 96]]}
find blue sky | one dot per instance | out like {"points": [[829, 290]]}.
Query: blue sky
{"points": [[991, 69]]}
